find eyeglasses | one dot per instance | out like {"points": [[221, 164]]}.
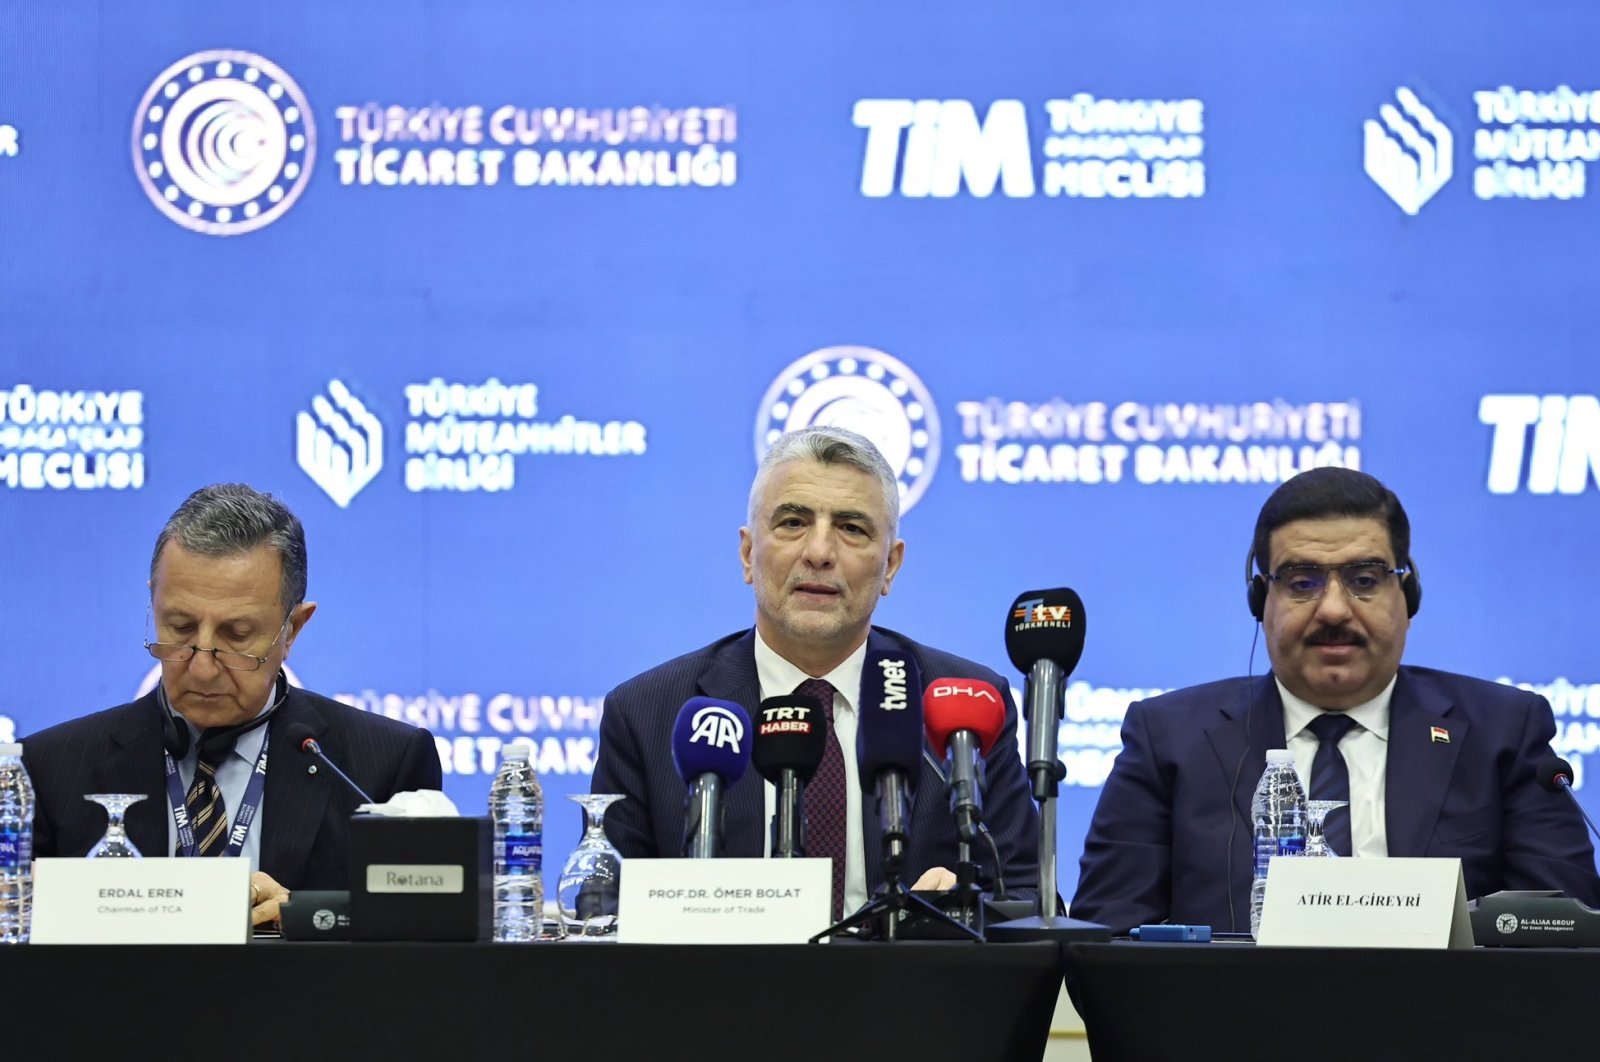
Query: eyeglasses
{"points": [[1363, 580], [176, 652]]}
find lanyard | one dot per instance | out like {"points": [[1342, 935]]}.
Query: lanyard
{"points": [[242, 820]]}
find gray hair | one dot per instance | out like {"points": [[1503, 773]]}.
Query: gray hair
{"points": [[228, 518], [828, 445]]}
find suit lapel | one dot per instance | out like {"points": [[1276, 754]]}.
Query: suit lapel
{"points": [[1418, 768], [136, 764], [1242, 736], [292, 808], [732, 677]]}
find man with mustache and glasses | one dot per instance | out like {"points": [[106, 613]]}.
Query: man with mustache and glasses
{"points": [[1431, 763], [820, 549]]}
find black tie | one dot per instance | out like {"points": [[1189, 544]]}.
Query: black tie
{"points": [[1330, 777], [208, 812]]}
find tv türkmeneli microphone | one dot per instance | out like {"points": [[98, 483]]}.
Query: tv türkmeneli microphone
{"points": [[791, 736], [711, 749], [305, 739], [1044, 638], [963, 717], [889, 745], [1556, 773]]}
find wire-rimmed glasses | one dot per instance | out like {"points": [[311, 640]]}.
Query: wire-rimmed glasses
{"points": [[177, 652], [1362, 580]]}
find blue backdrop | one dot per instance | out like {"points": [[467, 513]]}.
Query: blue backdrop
{"points": [[503, 298]]}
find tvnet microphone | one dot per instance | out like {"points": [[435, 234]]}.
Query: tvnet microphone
{"points": [[305, 739], [1556, 773], [791, 736], [963, 717], [1044, 638], [889, 745], [710, 751]]}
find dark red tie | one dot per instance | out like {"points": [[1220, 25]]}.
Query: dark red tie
{"points": [[825, 796]]}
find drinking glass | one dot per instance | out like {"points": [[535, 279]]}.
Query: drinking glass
{"points": [[115, 844], [592, 876], [1316, 811]]}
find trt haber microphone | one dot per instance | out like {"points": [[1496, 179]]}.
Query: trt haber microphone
{"points": [[711, 749], [791, 736], [964, 717], [1556, 773], [1044, 638], [305, 739], [889, 745]]}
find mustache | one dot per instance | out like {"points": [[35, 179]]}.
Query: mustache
{"points": [[1335, 636]]}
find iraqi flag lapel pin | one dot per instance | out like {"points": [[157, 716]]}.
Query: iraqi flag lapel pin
{"points": [[1439, 734]]}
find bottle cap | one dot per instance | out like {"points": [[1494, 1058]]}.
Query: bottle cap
{"points": [[1280, 756], [517, 750], [10, 748]]}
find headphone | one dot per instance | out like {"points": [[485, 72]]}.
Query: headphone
{"points": [[176, 738], [1410, 586]]}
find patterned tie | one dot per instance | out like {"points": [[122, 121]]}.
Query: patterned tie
{"points": [[208, 812], [1330, 777], [825, 796]]}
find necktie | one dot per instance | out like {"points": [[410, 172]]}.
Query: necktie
{"points": [[825, 796], [1330, 777], [208, 812]]}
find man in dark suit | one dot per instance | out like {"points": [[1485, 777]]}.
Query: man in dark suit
{"points": [[227, 599], [1431, 763], [820, 549]]}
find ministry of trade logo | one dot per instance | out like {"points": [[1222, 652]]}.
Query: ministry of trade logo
{"points": [[223, 142], [339, 444], [1409, 152], [868, 392]]}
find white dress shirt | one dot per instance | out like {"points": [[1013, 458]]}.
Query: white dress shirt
{"points": [[233, 774], [1366, 755], [778, 677]]}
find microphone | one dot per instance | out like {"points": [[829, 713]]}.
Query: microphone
{"points": [[1044, 638], [889, 746], [709, 750], [790, 739], [964, 717], [306, 740], [1556, 773]]}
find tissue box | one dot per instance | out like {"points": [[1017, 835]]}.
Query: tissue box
{"points": [[420, 878]]}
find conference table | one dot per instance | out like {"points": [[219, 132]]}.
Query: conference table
{"points": [[1149, 1002], [291, 1001]]}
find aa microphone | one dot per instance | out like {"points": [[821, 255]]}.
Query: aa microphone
{"points": [[889, 745], [305, 739], [1556, 773], [710, 751], [791, 736], [1044, 638], [963, 717]]}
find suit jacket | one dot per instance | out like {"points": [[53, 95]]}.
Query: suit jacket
{"points": [[1172, 835], [635, 759], [305, 817]]}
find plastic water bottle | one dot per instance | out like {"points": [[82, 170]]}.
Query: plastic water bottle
{"points": [[1279, 816], [516, 804], [16, 846]]}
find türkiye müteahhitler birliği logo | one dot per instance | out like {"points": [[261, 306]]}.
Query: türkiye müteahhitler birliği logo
{"points": [[868, 392], [1408, 152], [223, 142], [339, 443]]}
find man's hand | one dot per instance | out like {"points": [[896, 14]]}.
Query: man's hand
{"points": [[266, 895], [935, 879]]}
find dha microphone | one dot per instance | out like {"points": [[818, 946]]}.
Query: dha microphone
{"points": [[964, 717], [710, 752], [791, 736], [305, 739], [1556, 773], [1044, 638], [889, 746]]}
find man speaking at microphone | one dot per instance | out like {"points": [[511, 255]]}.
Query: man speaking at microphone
{"points": [[227, 601], [1430, 763], [820, 548]]}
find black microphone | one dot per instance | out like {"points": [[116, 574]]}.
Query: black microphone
{"points": [[791, 737], [889, 746], [711, 753], [1044, 638], [306, 740], [1556, 773]]}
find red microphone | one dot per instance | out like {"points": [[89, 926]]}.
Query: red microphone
{"points": [[963, 718]]}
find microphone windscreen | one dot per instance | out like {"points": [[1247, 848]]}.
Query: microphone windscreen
{"points": [[711, 737], [890, 736], [1554, 773], [1045, 625], [791, 734], [952, 704], [297, 734]]}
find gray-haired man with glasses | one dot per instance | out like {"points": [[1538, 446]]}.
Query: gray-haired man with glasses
{"points": [[227, 602], [1428, 763]]}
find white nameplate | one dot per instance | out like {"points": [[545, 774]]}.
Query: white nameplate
{"points": [[141, 901], [1365, 903], [724, 901], [414, 877]]}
